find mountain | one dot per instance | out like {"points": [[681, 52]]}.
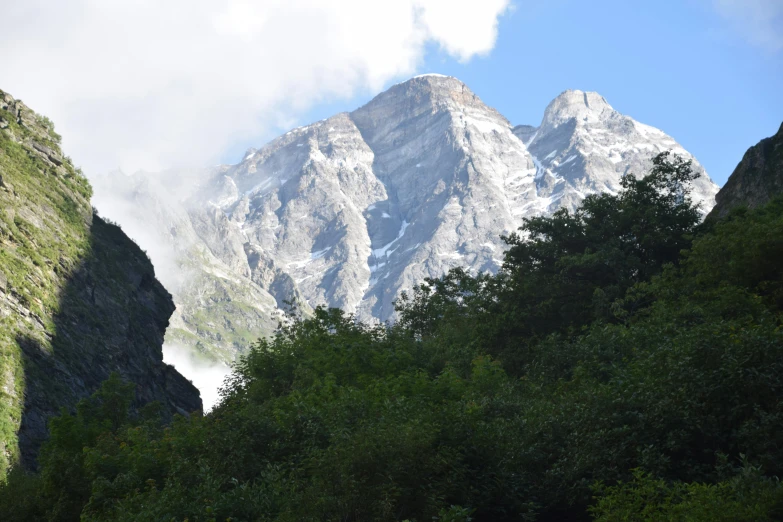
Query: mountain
{"points": [[757, 178], [352, 210], [78, 299]]}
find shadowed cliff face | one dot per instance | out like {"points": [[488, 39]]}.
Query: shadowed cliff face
{"points": [[113, 316], [756, 180], [78, 299]]}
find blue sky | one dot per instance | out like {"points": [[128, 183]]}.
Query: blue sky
{"points": [[144, 84], [680, 66]]}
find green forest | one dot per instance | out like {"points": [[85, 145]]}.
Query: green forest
{"points": [[625, 364]]}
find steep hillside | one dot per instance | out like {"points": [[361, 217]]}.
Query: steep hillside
{"points": [[757, 178], [350, 211], [78, 299]]}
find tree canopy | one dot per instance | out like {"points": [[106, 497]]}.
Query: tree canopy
{"points": [[626, 363]]}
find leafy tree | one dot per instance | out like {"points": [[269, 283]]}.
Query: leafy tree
{"points": [[746, 497], [616, 367], [563, 272]]}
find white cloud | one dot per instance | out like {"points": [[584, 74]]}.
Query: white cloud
{"points": [[148, 84], [759, 21], [207, 377]]}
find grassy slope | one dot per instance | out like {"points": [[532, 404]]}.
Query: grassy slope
{"points": [[44, 230]]}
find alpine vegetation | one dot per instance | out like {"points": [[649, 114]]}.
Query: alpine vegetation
{"points": [[625, 362]]}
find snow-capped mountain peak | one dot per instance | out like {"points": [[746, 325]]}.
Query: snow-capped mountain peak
{"points": [[583, 107], [352, 210]]}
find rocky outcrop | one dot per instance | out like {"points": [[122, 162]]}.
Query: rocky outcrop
{"points": [[78, 299], [757, 178], [352, 210]]}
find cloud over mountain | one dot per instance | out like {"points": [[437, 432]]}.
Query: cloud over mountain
{"points": [[147, 84]]}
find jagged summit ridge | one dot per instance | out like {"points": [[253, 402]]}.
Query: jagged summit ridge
{"points": [[584, 146], [351, 210]]}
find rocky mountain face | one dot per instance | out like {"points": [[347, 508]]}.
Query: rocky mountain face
{"points": [[219, 309], [78, 299], [757, 178], [352, 210]]}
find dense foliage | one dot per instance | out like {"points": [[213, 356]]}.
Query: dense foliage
{"points": [[625, 364]]}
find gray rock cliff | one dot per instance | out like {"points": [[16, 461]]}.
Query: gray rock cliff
{"points": [[757, 178]]}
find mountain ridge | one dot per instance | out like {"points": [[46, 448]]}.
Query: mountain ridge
{"points": [[356, 208]]}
